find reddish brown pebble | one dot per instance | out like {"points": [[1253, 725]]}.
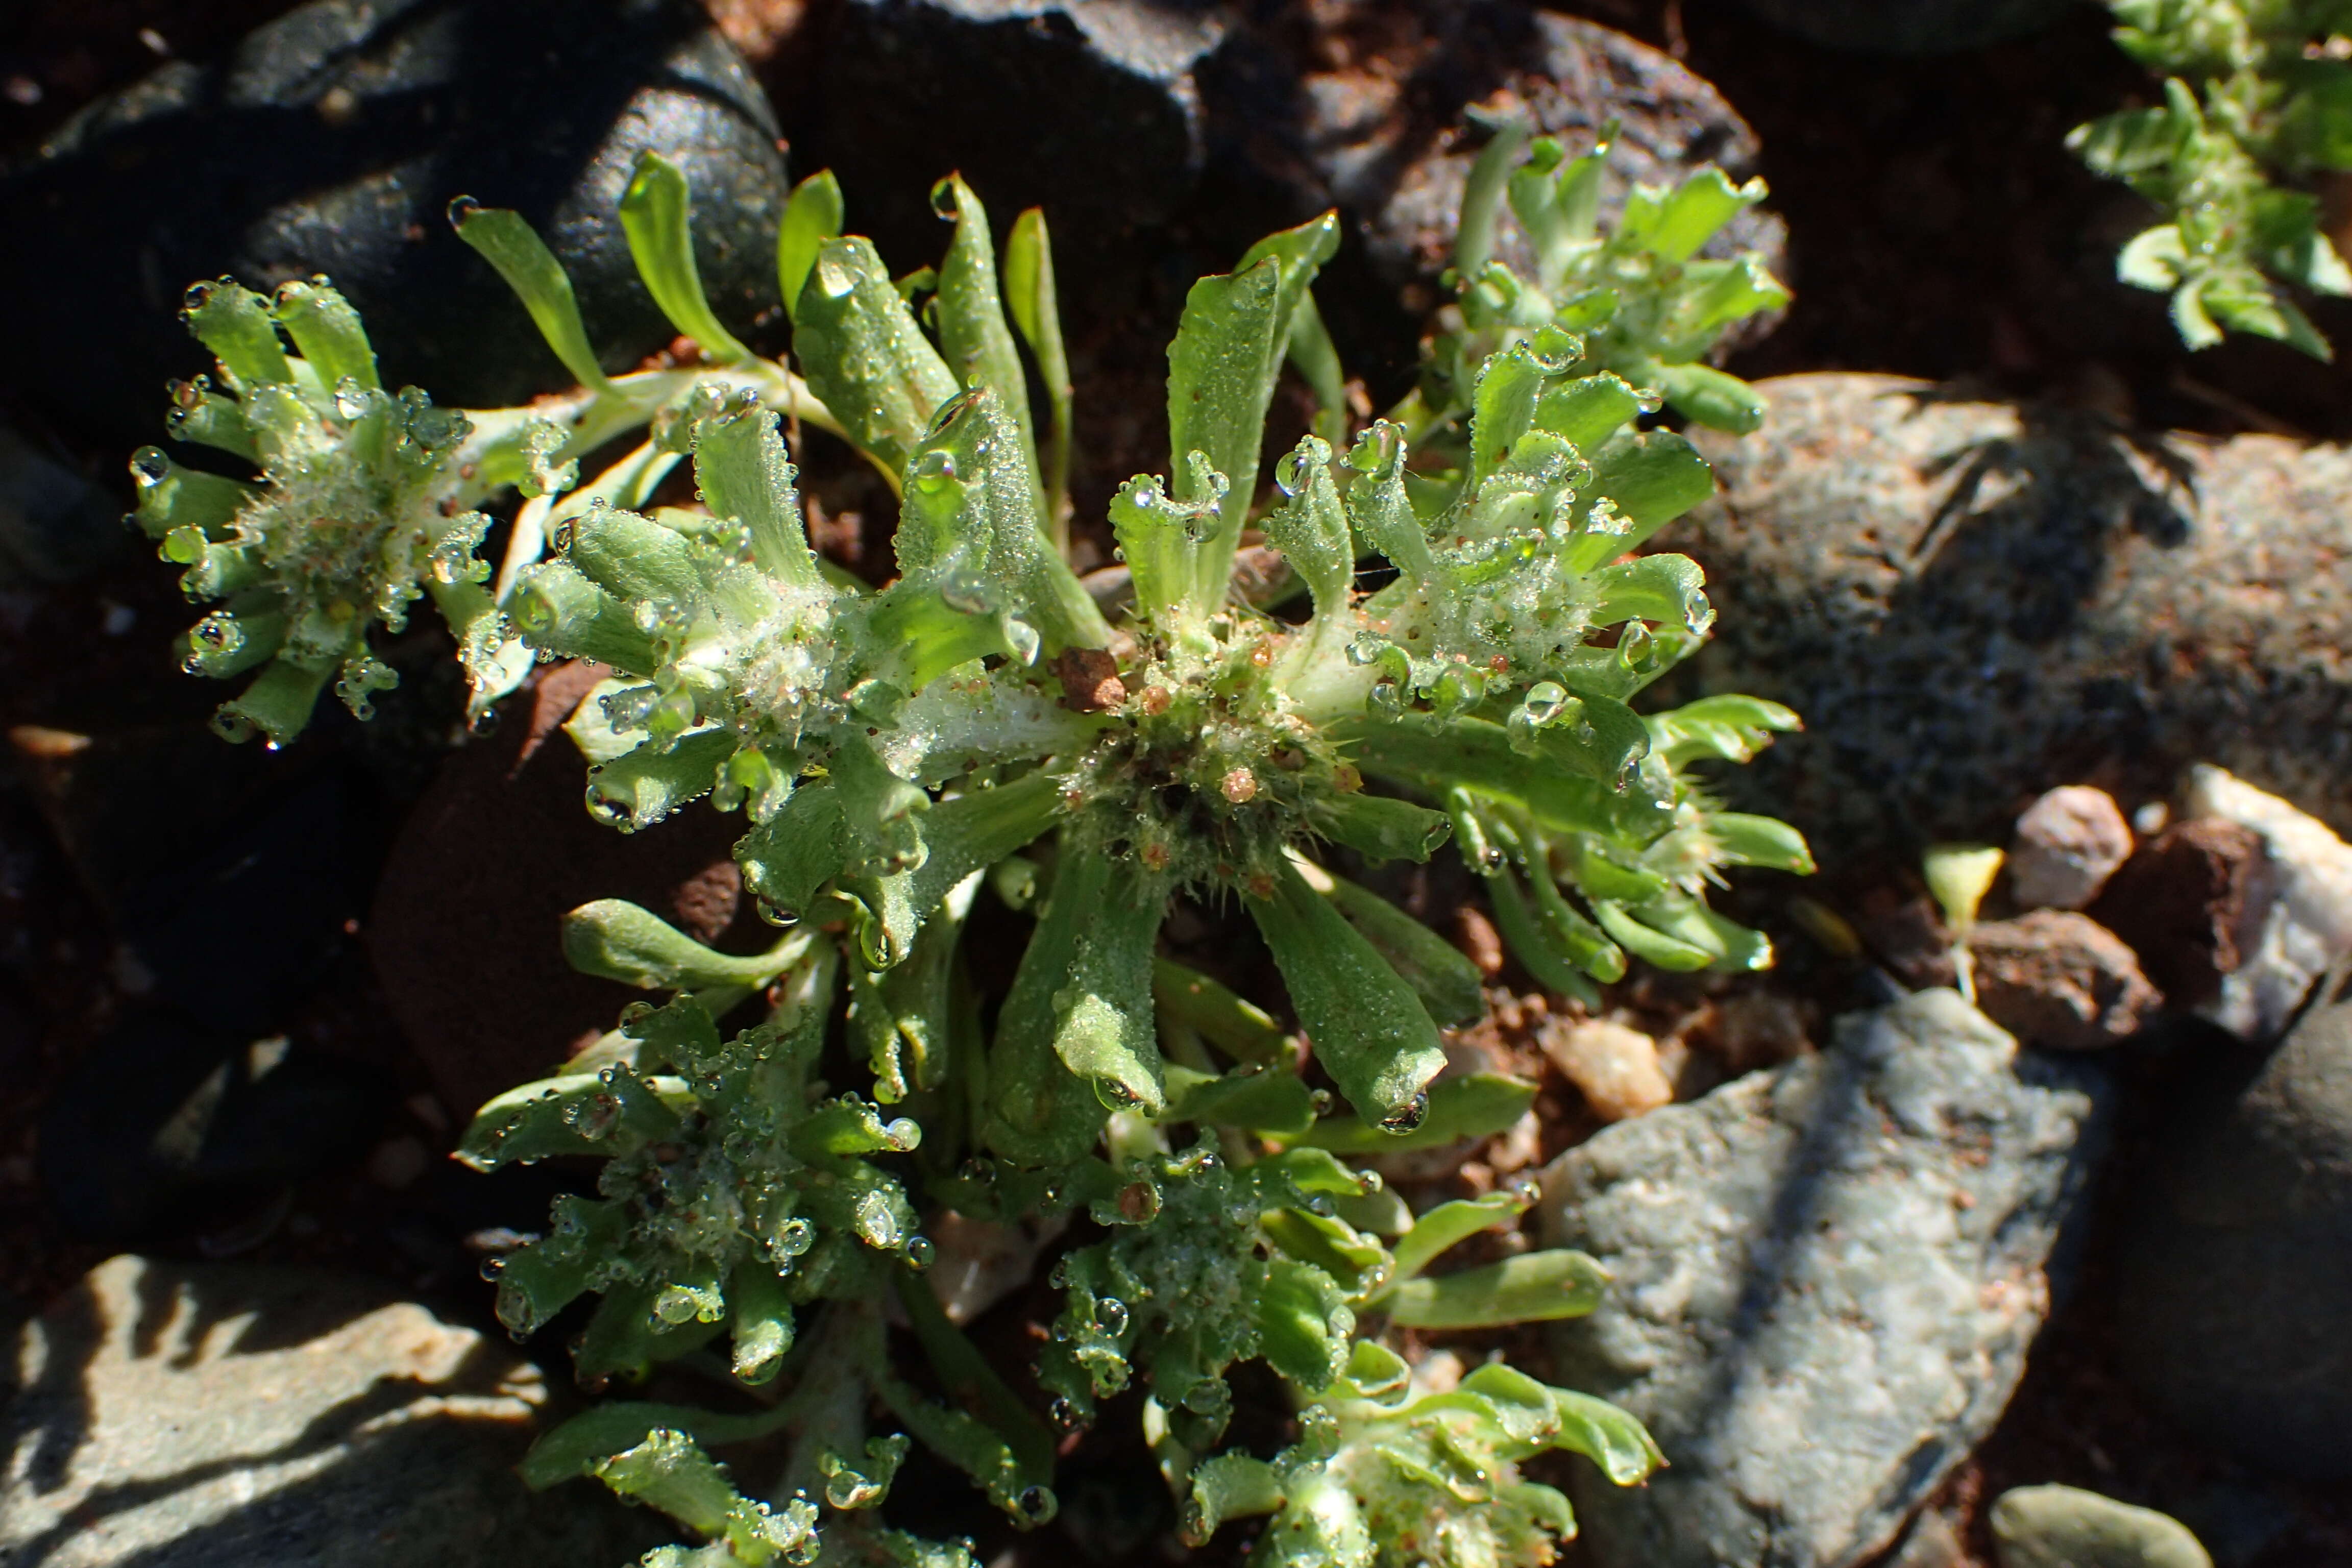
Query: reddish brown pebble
{"points": [[1475, 935], [2060, 980], [1090, 683], [2191, 903]]}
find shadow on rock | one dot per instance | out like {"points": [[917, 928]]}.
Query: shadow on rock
{"points": [[175, 1416]]}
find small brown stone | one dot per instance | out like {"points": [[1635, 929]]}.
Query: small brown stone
{"points": [[1758, 1028], [1616, 1068], [2060, 980], [1905, 931], [1475, 935], [1090, 683], [2191, 904]]}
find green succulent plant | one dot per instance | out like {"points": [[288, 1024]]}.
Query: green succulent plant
{"points": [[1637, 300], [991, 731], [2257, 100]]}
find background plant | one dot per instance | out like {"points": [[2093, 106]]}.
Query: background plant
{"points": [[987, 726], [2257, 101]]}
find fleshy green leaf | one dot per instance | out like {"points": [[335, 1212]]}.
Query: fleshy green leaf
{"points": [[1368, 1028], [505, 240], [1533, 1287], [1475, 1105], [621, 941], [812, 216], [864, 356], [654, 217]]}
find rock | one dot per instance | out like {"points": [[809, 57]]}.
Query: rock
{"points": [[226, 873], [2063, 1527], [2193, 903], [332, 138], [2062, 981], [159, 1116], [1086, 107], [2307, 929], [465, 931], [174, 1416], [2237, 1283], [2237, 1520], [1932, 1541], [1967, 599], [1911, 26], [1616, 1068], [1573, 77], [1826, 1276], [2068, 844], [55, 525], [1757, 1028]]}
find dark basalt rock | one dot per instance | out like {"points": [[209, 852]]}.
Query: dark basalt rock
{"points": [[2237, 1284], [164, 1119], [332, 140], [1088, 107]]}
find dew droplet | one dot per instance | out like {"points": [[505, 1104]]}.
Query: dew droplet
{"points": [[1545, 700], [1408, 1116], [1208, 1397], [920, 1253], [1111, 1315], [933, 471], [1024, 638], [967, 591], [1036, 1504]]}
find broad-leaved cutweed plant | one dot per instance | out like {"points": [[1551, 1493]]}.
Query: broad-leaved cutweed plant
{"points": [[2257, 100], [990, 736]]}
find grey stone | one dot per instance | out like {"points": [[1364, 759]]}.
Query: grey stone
{"points": [[1911, 26], [332, 138], [1573, 77], [194, 1417], [2060, 980], [2068, 844], [1825, 1278], [1967, 600], [2065, 1527], [2237, 1284]]}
